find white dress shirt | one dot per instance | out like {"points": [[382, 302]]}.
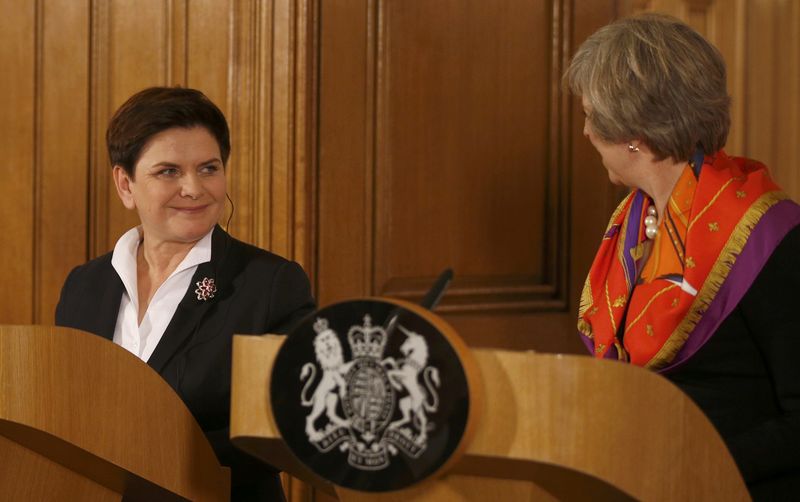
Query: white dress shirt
{"points": [[142, 339]]}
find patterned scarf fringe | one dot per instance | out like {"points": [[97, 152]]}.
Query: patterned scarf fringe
{"points": [[716, 277]]}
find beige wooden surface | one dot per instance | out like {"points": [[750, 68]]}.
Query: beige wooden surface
{"points": [[82, 418], [28, 476], [570, 427]]}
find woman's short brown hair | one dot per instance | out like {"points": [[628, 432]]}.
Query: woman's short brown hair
{"points": [[653, 78], [156, 109]]}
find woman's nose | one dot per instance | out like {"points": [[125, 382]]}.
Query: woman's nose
{"points": [[191, 187]]}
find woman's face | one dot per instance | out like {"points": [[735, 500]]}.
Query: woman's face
{"points": [[179, 185], [615, 157]]}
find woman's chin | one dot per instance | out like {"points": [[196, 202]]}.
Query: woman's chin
{"points": [[193, 234], [194, 226], [186, 233]]}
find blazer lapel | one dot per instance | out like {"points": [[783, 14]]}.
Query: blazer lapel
{"points": [[185, 321], [192, 308]]}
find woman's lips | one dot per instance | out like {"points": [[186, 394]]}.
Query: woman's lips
{"points": [[192, 209]]}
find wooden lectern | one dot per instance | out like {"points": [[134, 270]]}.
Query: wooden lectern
{"points": [[83, 419], [551, 427]]}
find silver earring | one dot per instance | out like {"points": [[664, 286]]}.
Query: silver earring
{"points": [[632, 149]]}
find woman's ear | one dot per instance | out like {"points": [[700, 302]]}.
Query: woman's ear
{"points": [[123, 182]]}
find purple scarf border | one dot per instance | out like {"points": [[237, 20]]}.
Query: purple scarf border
{"points": [[765, 237], [632, 238], [610, 353]]}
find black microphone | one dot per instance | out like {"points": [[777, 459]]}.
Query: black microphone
{"points": [[431, 299], [435, 294]]}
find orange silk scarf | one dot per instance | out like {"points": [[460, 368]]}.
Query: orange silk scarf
{"points": [[659, 315]]}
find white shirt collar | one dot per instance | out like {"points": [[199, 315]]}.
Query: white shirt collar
{"points": [[124, 259], [142, 338]]}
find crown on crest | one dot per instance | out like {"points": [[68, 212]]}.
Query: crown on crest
{"points": [[367, 340]]}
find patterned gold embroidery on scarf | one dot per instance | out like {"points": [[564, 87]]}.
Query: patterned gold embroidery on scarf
{"points": [[710, 203], [650, 302], [610, 311], [716, 277]]}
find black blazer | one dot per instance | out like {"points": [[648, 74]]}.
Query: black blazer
{"points": [[257, 292], [746, 378]]}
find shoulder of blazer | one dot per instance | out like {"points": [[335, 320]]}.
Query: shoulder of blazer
{"points": [[90, 297], [231, 257], [98, 267], [779, 278], [221, 239], [88, 277], [280, 283]]}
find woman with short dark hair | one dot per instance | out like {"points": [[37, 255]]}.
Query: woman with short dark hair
{"points": [[696, 276], [177, 287]]}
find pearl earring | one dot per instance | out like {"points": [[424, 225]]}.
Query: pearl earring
{"points": [[632, 149]]}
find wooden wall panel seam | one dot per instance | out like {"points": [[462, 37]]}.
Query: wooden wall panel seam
{"points": [[263, 125], [558, 249], [375, 160], [281, 99], [263, 128], [238, 28], [308, 191], [298, 173], [311, 132], [564, 148], [278, 117], [37, 161], [745, 82], [100, 80], [89, 139], [167, 38], [315, 139], [254, 132], [293, 136], [775, 126], [176, 42]]}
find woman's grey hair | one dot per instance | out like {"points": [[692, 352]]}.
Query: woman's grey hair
{"points": [[653, 78]]}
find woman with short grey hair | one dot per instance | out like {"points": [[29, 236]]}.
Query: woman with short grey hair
{"points": [[696, 276]]}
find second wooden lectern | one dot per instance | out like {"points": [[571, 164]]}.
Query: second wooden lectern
{"points": [[550, 427]]}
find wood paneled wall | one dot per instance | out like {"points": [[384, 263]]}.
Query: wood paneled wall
{"points": [[68, 64]]}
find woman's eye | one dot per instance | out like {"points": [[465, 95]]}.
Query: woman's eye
{"points": [[168, 172], [209, 169]]}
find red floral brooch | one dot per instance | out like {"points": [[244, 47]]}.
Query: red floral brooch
{"points": [[205, 289]]}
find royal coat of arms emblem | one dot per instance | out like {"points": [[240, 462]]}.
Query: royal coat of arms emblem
{"points": [[372, 394], [385, 401]]}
